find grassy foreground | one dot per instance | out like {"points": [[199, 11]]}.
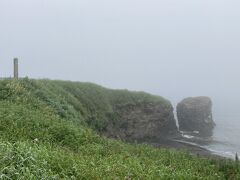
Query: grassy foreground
{"points": [[48, 130]]}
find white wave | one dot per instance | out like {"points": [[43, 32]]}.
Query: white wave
{"points": [[186, 142], [196, 132], [187, 136]]}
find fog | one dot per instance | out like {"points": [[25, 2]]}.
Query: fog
{"points": [[167, 47]]}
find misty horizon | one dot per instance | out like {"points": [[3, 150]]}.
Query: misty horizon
{"points": [[169, 48]]}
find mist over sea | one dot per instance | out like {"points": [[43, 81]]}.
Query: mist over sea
{"points": [[226, 138]]}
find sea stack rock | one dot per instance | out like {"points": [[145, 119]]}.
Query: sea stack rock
{"points": [[195, 114]]}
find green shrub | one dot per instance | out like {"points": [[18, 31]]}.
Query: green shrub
{"points": [[48, 131]]}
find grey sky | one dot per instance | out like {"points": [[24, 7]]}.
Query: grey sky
{"points": [[174, 48]]}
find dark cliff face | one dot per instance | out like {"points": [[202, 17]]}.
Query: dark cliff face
{"points": [[145, 121], [195, 114]]}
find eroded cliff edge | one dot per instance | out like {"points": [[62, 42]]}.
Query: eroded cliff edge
{"points": [[147, 121], [120, 114]]}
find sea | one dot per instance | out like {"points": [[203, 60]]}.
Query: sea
{"points": [[226, 137]]}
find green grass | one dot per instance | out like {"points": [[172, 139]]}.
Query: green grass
{"points": [[49, 130]]}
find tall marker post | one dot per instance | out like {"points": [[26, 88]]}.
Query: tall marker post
{"points": [[15, 62]]}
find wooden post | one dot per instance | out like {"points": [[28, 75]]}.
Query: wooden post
{"points": [[15, 62]]}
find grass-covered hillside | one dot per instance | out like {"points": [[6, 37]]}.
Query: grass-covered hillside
{"points": [[49, 130]]}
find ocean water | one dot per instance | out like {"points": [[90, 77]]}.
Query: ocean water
{"points": [[226, 137], [225, 140]]}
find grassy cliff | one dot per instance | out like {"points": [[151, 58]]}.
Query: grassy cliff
{"points": [[49, 130]]}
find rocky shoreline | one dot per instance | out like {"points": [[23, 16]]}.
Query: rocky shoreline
{"points": [[154, 123], [183, 145]]}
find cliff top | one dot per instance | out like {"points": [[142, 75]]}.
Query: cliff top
{"points": [[44, 135]]}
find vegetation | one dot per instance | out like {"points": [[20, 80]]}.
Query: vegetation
{"points": [[48, 130]]}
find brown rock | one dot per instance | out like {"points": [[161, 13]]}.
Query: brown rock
{"points": [[195, 114], [144, 121]]}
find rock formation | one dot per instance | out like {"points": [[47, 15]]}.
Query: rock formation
{"points": [[143, 122], [195, 114]]}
